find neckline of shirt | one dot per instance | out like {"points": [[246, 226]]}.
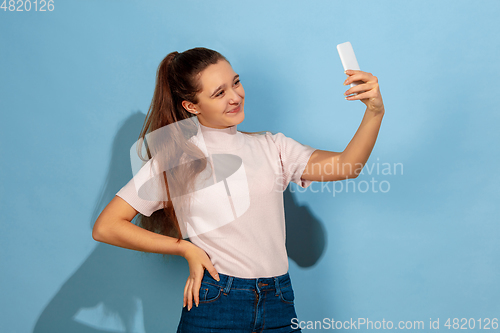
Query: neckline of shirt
{"points": [[222, 138]]}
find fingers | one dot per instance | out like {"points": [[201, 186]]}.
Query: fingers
{"points": [[363, 96], [192, 290], [196, 282], [198, 260], [354, 75], [363, 91], [187, 290], [364, 87], [213, 272], [367, 90], [196, 290]]}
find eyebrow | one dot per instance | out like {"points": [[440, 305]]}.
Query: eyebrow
{"points": [[223, 85]]}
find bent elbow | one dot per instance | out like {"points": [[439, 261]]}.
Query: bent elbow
{"points": [[349, 175], [97, 232], [353, 175], [96, 235]]}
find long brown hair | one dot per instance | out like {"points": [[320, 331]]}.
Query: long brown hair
{"points": [[176, 81]]}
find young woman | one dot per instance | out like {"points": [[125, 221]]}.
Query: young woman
{"points": [[222, 189]]}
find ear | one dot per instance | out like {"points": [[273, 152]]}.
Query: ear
{"points": [[190, 107]]}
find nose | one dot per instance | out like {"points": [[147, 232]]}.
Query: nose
{"points": [[235, 98]]}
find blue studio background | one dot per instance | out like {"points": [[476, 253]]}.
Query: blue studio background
{"points": [[414, 238]]}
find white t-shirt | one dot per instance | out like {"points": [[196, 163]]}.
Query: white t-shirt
{"points": [[238, 218]]}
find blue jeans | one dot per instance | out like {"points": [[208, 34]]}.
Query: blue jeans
{"points": [[239, 305]]}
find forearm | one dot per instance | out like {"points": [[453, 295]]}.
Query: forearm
{"points": [[125, 234], [361, 145]]}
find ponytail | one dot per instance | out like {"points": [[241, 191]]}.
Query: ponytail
{"points": [[176, 81]]}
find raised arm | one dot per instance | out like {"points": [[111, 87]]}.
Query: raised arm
{"points": [[326, 165]]}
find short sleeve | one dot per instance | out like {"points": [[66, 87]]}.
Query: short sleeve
{"points": [[143, 191], [293, 158]]}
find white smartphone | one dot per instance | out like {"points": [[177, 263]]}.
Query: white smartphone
{"points": [[348, 58]]}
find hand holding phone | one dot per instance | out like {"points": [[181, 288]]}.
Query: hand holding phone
{"points": [[369, 92], [348, 58]]}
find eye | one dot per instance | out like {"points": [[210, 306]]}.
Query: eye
{"points": [[237, 82], [220, 93]]}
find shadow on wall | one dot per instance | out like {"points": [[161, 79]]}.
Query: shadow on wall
{"points": [[305, 234], [122, 290]]}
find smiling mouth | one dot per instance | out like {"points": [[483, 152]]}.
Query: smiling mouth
{"points": [[235, 110]]}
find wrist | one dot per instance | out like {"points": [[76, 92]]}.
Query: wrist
{"points": [[183, 247], [378, 111]]}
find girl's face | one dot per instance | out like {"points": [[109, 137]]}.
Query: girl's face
{"points": [[221, 100]]}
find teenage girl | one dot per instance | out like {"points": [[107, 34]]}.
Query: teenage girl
{"points": [[213, 194]]}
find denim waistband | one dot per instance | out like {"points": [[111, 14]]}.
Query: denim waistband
{"points": [[229, 282]]}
